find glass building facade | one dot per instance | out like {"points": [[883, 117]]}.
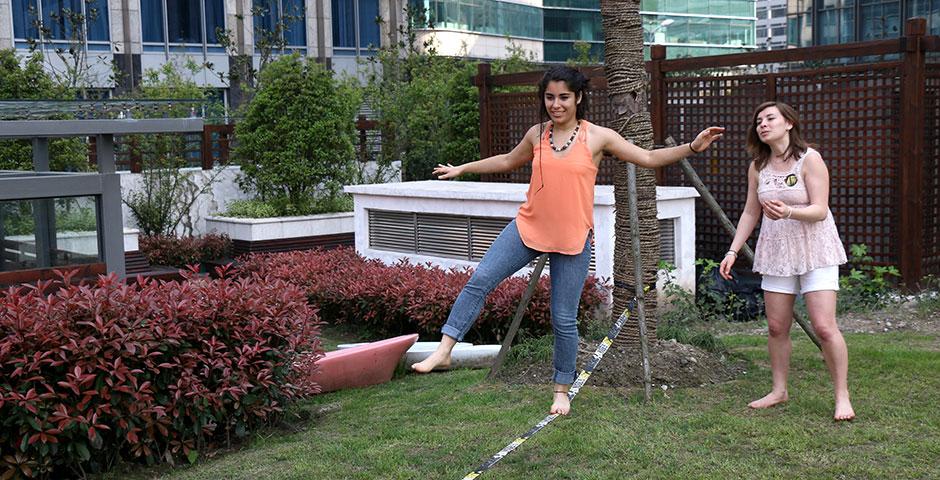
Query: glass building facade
{"points": [[268, 14], [355, 29], [56, 24], [692, 27], [827, 22]]}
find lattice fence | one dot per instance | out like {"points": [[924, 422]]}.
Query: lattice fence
{"points": [[851, 113], [932, 171]]}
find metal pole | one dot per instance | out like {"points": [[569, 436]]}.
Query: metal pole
{"points": [[638, 276], [520, 310]]}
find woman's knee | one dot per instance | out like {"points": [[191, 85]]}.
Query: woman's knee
{"points": [[778, 327], [565, 327], [827, 331]]}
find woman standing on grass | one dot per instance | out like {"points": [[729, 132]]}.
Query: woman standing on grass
{"points": [[557, 217], [798, 250]]}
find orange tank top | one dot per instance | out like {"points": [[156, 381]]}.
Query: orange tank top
{"points": [[559, 208]]}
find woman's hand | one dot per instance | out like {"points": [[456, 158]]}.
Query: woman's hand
{"points": [[776, 210], [444, 172], [725, 268], [706, 137]]}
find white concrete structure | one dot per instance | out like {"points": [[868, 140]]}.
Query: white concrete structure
{"points": [[223, 191], [274, 228], [502, 200]]}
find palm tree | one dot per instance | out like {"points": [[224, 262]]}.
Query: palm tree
{"points": [[627, 88]]}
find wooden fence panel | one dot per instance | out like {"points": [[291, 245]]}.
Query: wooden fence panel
{"points": [[855, 116], [932, 170]]}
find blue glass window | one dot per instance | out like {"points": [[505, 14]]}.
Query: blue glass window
{"points": [[351, 16], [491, 16], [183, 21], [56, 18], [267, 13], [215, 19], [344, 23], [23, 18], [368, 28], [151, 19]]}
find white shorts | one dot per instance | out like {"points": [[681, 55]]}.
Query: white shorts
{"points": [[825, 278]]}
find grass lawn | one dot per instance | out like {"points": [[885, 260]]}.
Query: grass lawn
{"points": [[444, 425]]}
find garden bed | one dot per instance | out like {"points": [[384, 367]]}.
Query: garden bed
{"points": [[672, 364]]}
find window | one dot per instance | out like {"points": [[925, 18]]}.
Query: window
{"points": [[187, 22], [42, 233], [289, 13], [837, 22], [355, 24], [59, 17], [573, 25], [490, 16], [929, 9], [879, 20]]}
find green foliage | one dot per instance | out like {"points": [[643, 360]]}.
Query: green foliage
{"points": [[251, 208], [532, 350], [70, 216], [683, 311], [268, 43], [707, 304], [30, 81], [928, 301], [296, 140], [279, 207], [583, 57], [162, 204], [867, 287], [426, 105]]}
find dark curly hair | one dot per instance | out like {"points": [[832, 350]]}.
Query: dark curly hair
{"points": [[577, 82]]}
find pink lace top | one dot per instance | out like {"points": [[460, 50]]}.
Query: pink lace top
{"points": [[792, 247]]}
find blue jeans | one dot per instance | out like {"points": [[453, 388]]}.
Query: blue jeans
{"points": [[506, 256]]}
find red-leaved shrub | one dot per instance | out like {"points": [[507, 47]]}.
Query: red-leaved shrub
{"points": [[407, 298], [183, 251], [149, 372]]}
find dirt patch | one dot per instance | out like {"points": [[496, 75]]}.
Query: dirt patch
{"points": [[671, 363], [904, 317], [901, 318]]}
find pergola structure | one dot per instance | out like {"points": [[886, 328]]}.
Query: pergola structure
{"points": [[42, 186]]}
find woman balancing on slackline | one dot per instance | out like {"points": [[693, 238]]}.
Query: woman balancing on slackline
{"points": [[557, 217]]}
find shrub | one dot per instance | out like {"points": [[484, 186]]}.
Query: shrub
{"points": [[149, 372], [255, 208], [407, 298], [184, 251], [866, 287], [27, 79], [295, 142]]}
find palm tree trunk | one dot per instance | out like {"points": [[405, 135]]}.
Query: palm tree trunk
{"points": [[627, 82]]}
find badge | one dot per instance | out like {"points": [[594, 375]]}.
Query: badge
{"points": [[790, 180]]}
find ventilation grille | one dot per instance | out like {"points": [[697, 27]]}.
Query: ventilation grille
{"points": [[667, 240], [447, 236]]}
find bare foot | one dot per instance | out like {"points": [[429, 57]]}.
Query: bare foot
{"points": [[844, 411], [437, 360], [769, 400], [561, 405]]}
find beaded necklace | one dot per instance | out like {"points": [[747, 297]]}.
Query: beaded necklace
{"points": [[551, 138]]}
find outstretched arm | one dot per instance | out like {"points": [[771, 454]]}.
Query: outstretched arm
{"points": [[497, 163], [628, 152]]}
